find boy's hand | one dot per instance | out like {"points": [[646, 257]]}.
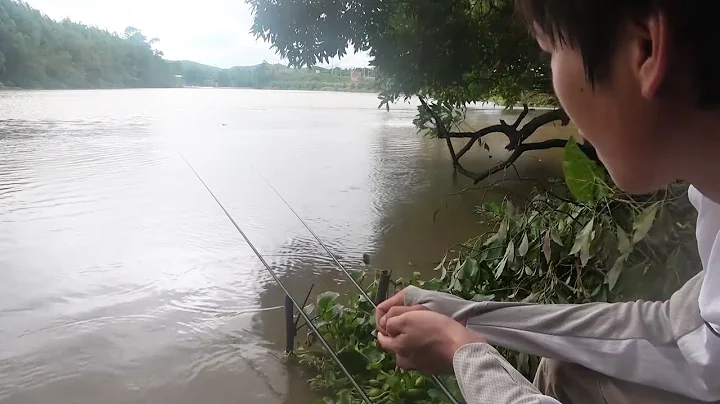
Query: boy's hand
{"points": [[392, 307], [424, 340]]}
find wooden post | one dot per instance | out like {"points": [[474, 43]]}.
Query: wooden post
{"points": [[383, 285], [290, 329]]}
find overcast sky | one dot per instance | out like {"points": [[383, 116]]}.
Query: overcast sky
{"points": [[213, 32]]}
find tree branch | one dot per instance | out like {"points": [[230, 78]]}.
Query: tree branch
{"points": [[467, 147], [544, 119], [544, 145], [501, 128]]}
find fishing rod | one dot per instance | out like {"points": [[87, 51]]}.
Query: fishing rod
{"points": [[435, 379], [287, 292]]}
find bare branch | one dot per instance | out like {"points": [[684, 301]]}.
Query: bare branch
{"points": [[467, 147], [522, 116], [544, 119], [501, 128]]}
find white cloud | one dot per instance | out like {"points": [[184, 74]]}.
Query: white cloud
{"points": [[214, 32]]}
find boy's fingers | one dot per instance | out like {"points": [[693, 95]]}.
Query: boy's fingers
{"points": [[396, 312], [397, 299], [385, 342]]}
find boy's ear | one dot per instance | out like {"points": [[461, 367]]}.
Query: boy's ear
{"points": [[653, 53]]}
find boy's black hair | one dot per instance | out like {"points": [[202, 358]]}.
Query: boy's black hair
{"points": [[593, 27]]}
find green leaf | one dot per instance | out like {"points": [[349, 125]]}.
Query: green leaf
{"points": [[510, 251], [345, 397], [469, 268], [441, 265], [436, 394], [581, 173], [643, 222], [501, 267], [556, 237], [522, 251], [493, 208], [373, 354], [583, 238], [482, 298], [502, 231], [509, 209], [531, 298], [615, 271], [585, 254], [547, 247], [325, 301], [528, 271], [623, 240]]}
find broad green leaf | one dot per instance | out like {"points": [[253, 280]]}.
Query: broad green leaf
{"points": [[547, 247], [373, 354], [528, 271], [325, 301], [522, 251], [469, 268], [643, 222], [623, 240], [581, 173], [614, 274], [482, 298]]}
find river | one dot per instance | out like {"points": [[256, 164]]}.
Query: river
{"points": [[121, 281]]}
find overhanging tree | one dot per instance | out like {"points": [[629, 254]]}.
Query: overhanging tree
{"points": [[449, 53]]}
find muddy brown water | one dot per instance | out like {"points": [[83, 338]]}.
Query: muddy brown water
{"points": [[122, 282]]}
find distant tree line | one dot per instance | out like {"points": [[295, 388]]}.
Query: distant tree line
{"points": [[39, 52], [276, 76]]}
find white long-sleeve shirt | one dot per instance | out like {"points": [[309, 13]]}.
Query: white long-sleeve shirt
{"points": [[672, 345]]}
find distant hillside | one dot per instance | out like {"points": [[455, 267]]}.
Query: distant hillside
{"points": [[39, 52]]}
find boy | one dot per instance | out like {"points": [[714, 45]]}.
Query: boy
{"points": [[638, 78]]}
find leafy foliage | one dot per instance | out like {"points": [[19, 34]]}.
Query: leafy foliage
{"points": [[456, 51], [38, 52], [349, 329], [555, 249]]}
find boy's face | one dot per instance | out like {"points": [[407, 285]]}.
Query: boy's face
{"points": [[616, 116]]}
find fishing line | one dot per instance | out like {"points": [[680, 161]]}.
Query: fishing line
{"points": [[300, 310], [435, 379]]}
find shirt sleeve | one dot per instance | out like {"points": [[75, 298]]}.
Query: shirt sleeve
{"points": [[484, 376], [666, 345]]}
